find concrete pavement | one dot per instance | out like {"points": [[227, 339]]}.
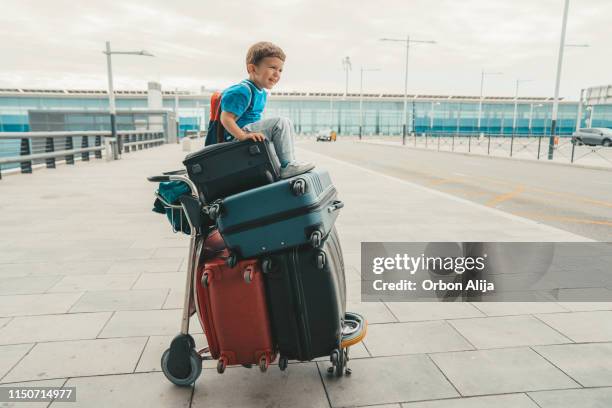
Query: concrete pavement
{"points": [[91, 286]]}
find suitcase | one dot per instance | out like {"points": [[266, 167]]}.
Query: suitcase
{"points": [[232, 308], [223, 169], [278, 216], [307, 300]]}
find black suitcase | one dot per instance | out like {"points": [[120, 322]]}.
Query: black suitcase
{"points": [[307, 299], [224, 169]]}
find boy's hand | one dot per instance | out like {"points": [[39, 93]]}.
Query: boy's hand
{"points": [[256, 136]]}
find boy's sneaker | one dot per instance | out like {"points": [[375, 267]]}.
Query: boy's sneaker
{"points": [[295, 168]]}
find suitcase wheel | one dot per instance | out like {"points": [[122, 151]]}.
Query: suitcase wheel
{"points": [[263, 363], [231, 261], [221, 365], [214, 211], [205, 278], [298, 187], [266, 265], [195, 369], [315, 239], [283, 362], [248, 275], [321, 260]]}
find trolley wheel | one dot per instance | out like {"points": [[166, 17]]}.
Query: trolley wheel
{"points": [[231, 261], [221, 365], [341, 363], [247, 365], [321, 260], [315, 239], [266, 265], [283, 362], [205, 280], [195, 369], [333, 357], [248, 275], [263, 363], [299, 187]]}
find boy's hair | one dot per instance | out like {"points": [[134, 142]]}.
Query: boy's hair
{"points": [[263, 49]]}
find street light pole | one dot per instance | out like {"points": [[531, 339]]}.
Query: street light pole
{"points": [[555, 110], [346, 64], [482, 78], [176, 115], [539, 105], [579, 116], [431, 116], [111, 93], [331, 111], [514, 117], [405, 124], [407, 41], [111, 103], [361, 97]]}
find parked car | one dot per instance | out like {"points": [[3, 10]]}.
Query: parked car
{"points": [[326, 135], [593, 137]]}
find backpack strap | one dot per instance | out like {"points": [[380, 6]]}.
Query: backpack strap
{"points": [[251, 99], [220, 129]]}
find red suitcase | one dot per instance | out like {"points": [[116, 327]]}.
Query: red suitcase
{"points": [[233, 311]]}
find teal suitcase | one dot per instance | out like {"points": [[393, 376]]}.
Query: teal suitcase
{"points": [[285, 214]]}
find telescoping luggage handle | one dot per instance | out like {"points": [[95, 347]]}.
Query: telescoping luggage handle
{"points": [[336, 205]]}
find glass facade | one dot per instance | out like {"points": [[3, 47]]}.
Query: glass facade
{"points": [[310, 114], [383, 117]]}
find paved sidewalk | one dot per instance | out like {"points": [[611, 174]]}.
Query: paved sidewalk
{"points": [[91, 287]]}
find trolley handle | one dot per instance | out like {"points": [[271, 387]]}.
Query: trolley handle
{"points": [[158, 179], [175, 177]]}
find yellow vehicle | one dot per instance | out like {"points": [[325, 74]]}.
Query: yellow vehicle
{"points": [[326, 135]]}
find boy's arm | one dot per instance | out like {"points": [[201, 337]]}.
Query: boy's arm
{"points": [[228, 120]]}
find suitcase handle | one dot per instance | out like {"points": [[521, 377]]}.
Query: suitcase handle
{"points": [[335, 206]]}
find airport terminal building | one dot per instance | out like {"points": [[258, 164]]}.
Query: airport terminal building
{"points": [[74, 109]]}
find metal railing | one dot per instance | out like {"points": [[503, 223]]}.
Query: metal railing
{"points": [[36, 148], [530, 147]]}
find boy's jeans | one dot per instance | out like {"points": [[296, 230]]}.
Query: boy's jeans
{"points": [[280, 132]]}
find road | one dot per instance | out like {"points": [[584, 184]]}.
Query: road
{"points": [[575, 199]]}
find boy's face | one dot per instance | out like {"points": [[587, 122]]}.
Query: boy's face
{"points": [[267, 73]]}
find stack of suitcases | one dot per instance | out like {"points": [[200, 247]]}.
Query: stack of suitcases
{"points": [[269, 282]]}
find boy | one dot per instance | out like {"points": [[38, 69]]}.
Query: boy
{"points": [[242, 105]]}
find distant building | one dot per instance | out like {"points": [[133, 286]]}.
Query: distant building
{"points": [[597, 103], [24, 109]]}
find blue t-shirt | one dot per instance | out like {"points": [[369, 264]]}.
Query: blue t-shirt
{"points": [[244, 100]]}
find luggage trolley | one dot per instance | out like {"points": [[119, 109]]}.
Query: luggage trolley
{"points": [[181, 363]]}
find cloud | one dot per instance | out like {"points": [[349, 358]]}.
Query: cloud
{"points": [[204, 43]]}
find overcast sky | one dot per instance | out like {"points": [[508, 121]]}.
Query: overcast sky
{"points": [[58, 43]]}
